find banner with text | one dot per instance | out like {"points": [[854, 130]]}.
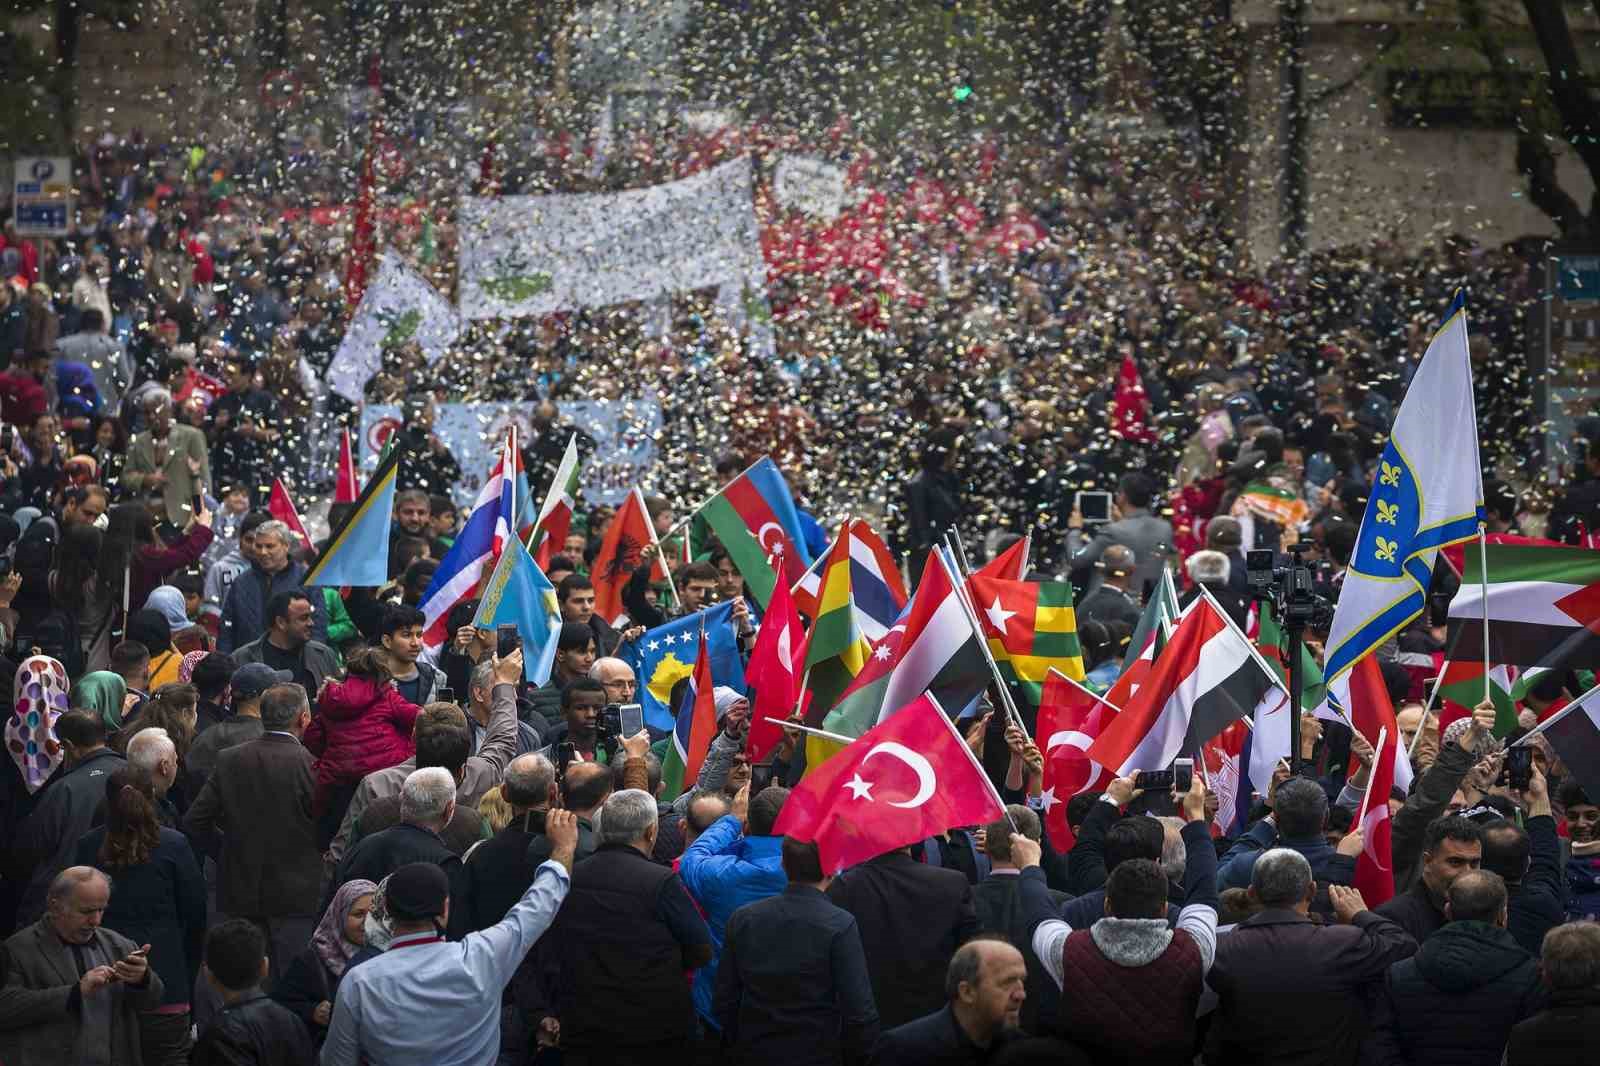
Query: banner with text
{"points": [[531, 255]]}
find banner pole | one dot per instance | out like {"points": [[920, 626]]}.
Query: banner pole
{"points": [[1483, 578]]}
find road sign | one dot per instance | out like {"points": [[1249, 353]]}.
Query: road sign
{"points": [[42, 195]]}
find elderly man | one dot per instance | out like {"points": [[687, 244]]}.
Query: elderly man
{"points": [[153, 754], [984, 990], [622, 942], [1276, 961], [425, 1002], [617, 678], [75, 990], [480, 692], [272, 571], [169, 458]]}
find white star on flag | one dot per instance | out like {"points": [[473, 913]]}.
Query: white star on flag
{"points": [[880, 653], [655, 645], [859, 789], [998, 616], [1048, 798]]}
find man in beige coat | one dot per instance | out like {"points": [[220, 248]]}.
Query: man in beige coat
{"points": [[167, 456]]}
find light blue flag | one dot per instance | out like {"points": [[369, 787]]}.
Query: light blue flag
{"points": [[517, 593], [1428, 494], [665, 655], [357, 554]]}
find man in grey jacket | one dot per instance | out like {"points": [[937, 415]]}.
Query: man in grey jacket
{"points": [[1149, 537], [287, 643]]}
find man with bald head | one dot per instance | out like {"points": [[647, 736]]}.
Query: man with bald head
{"points": [[1115, 600], [984, 990], [75, 989], [500, 869], [617, 678]]}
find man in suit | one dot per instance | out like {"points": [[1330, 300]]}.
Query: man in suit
{"points": [[75, 990], [169, 457], [912, 918], [1134, 527], [792, 986], [984, 992], [254, 818], [1000, 910], [1114, 601]]}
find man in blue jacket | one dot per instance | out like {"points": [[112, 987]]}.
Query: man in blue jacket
{"points": [[736, 861], [1299, 812]]}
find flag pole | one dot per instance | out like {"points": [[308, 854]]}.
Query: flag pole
{"points": [[1483, 578], [665, 569], [959, 587], [1427, 707], [960, 550], [809, 571], [976, 765], [1554, 718], [838, 738], [1081, 687], [1027, 552], [702, 504], [1366, 798]]}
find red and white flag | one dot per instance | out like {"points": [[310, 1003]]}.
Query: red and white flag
{"points": [[1069, 721], [1130, 408], [1375, 864], [1206, 678], [1009, 565], [1365, 698], [909, 778], [281, 506], [773, 675], [555, 514], [346, 485]]}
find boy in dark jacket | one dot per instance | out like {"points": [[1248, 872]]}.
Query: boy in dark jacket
{"points": [[1455, 1001], [250, 1028]]}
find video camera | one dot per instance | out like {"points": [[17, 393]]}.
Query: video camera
{"points": [[1292, 589]]}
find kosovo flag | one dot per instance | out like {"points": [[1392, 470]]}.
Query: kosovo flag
{"points": [[665, 655]]}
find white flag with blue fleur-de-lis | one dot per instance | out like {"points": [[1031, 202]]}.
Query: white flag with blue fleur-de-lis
{"points": [[1428, 493]]}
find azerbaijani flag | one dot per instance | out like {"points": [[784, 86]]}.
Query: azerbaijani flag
{"points": [[693, 732], [756, 520], [1031, 629]]}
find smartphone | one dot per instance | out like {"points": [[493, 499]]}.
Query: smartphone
{"points": [[1182, 775], [509, 640], [1153, 780], [1517, 770], [631, 717], [196, 504], [1094, 506], [445, 695]]}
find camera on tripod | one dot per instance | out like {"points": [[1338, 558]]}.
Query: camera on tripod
{"points": [[1292, 589]]}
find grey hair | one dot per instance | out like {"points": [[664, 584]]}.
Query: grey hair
{"points": [[67, 881], [1212, 566], [1571, 957], [605, 662], [1281, 877], [482, 676], [148, 747], [273, 528], [426, 795], [281, 705], [1174, 852], [527, 780], [157, 397], [626, 816]]}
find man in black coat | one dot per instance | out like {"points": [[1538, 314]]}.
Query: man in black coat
{"points": [[1271, 965], [1530, 862], [1564, 1033], [792, 986], [427, 803], [1000, 911], [65, 810], [912, 918], [984, 988], [1455, 1001], [250, 1027], [1452, 847]]}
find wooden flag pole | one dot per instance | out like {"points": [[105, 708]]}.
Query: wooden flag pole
{"points": [[665, 569], [1483, 578], [973, 759], [702, 505]]}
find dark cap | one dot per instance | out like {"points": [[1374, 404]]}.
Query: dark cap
{"points": [[416, 891], [252, 679]]}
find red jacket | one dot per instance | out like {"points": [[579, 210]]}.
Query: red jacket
{"points": [[359, 727]]}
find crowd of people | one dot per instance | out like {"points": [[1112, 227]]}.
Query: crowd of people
{"points": [[251, 821]]}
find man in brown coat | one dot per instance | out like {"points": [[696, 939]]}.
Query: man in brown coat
{"points": [[75, 990], [254, 818]]}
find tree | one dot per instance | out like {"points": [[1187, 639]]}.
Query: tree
{"points": [[49, 117]]}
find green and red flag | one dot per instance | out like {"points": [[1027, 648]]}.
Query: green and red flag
{"points": [[1543, 606], [1275, 503], [1461, 689], [755, 518], [1031, 629], [550, 529]]}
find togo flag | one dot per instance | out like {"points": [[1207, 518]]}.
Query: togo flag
{"points": [[1428, 493]]}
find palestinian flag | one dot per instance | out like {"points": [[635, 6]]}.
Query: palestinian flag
{"points": [[1544, 606], [1575, 736], [1031, 629], [755, 519], [932, 650], [1461, 689], [1276, 504]]}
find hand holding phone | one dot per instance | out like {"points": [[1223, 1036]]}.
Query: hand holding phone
{"points": [[507, 640]]}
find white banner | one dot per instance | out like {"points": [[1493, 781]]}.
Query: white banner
{"points": [[398, 306], [624, 432], [810, 185], [531, 255]]}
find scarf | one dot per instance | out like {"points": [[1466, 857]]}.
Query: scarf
{"points": [[40, 697], [380, 930], [190, 661], [332, 946], [102, 691]]}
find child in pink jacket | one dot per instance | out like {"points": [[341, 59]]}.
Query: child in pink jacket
{"points": [[362, 724]]}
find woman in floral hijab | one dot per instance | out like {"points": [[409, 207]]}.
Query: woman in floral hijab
{"points": [[40, 698]]}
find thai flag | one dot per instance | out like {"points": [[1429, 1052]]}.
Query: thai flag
{"points": [[472, 557]]}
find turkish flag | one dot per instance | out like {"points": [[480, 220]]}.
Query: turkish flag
{"points": [[1130, 408], [1375, 865], [630, 530], [908, 778], [1069, 721], [281, 507], [774, 672]]}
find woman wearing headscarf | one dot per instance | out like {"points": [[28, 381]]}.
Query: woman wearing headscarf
{"points": [[159, 899], [105, 693], [39, 697], [187, 636], [310, 984]]}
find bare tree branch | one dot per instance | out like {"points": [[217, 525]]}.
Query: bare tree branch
{"points": [[1384, 47], [1569, 89]]}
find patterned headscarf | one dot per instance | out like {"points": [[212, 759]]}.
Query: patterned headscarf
{"points": [[40, 698], [190, 661], [332, 946], [102, 691], [380, 929]]}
